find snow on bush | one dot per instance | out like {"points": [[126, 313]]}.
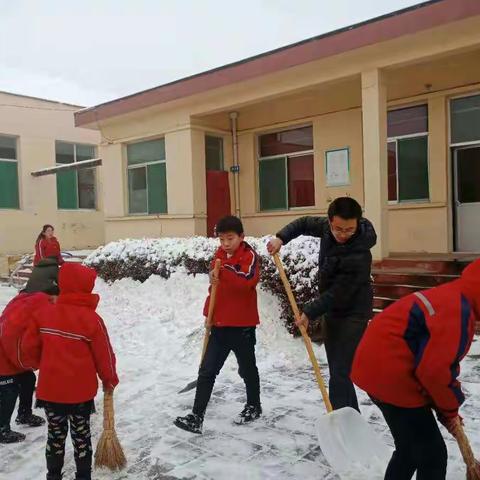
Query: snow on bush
{"points": [[140, 258]]}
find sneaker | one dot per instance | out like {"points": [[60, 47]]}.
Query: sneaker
{"points": [[8, 436], [30, 420], [248, 414], [191, 423]]}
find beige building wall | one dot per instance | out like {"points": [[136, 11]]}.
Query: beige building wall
{"points": [[37, 124]]}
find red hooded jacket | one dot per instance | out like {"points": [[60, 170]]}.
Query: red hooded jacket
{"points": [[47, 248], [410, 354], [236, 300], [69, 342], [13, 323]]}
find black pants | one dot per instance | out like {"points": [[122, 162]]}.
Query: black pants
{"points": [[419, 445], [222, 341], [342, 338], [26, 383], [8, 398], [81, 439]]}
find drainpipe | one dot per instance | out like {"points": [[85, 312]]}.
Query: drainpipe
{"points": [[236, 168]]}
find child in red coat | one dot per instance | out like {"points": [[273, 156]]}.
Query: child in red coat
{"points": [[408, 362], [70, 345], [47, 246], [234, 323]]}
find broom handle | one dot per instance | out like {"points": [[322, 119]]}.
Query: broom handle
{"points": [[211, 305], [306, 338], [108, 413], [464, 445]]}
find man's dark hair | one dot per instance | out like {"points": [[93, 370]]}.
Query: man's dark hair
{"points": [[346, 208], [229, 223]]}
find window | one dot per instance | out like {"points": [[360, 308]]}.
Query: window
{"points": [[147, 177], [8, 173], [286, 177], [75, 188], [408, 154], [214, 153], [465, 119]]}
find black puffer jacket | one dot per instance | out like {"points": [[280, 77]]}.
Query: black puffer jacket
{"points": [[344, 269]]}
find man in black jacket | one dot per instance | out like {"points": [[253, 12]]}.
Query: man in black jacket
{"points": [[346, 292]]}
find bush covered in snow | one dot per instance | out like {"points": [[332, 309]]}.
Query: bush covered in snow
{"points": [[138, 259]]}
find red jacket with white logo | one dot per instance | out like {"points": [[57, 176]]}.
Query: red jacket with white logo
{"points": [[13, 323], [69, 342], [47, 248], [236, 300], [410, 354]]}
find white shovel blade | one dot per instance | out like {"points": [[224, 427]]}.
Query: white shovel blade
{"points": [[351, 446]]}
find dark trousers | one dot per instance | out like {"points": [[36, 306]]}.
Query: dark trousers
{"points": [[81, 439], [223, 340], [8, 398], [342, 338], [419, 445], [26, 383]]}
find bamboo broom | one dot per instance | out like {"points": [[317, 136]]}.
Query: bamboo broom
{"points": [[109, 452]]}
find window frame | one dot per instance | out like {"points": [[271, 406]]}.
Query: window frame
{"points": [[285, 156], [449, 113], [17, 162], [145, 166], [406, 137], [78, 209]]}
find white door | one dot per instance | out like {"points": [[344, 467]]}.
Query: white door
{"points": [[467, 198]]}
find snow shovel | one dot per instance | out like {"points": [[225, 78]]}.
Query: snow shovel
{"points": [[347, 441], [206, 338]]}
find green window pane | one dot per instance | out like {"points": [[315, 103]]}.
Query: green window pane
{"points": [[67, 190], [8, 148], [85, 152], [137, 190], [144, 152], [9, 185], [214, 153], [157, 188], [64, 152], [465, 113], [413, 169], [273, 184]]}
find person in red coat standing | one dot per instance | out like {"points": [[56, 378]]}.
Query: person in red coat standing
{"points": [[234, 323], [409, 362], [69, 343], [47, 246]]}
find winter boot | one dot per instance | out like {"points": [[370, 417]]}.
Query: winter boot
{"points": [[54, 476], [191, 423], [30, 420], [248, 414], [8, 436]]}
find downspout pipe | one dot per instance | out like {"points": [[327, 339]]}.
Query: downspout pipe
{"points": [[236, 168]]}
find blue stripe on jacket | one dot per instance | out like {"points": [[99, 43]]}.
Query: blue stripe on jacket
{"points": [[462, 350], [417, 334]]}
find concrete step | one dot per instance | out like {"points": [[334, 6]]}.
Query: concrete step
{"points": [[444, 267]]}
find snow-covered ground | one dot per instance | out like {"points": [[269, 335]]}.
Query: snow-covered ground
{"points": [[156, 330]]}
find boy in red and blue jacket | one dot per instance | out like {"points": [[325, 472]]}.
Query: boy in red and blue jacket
{"points": [[409, 362], [233, 326]]}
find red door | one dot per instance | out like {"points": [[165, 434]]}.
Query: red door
{"points": [[218, 198]]}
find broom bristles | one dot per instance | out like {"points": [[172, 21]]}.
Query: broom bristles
{"points": [[109, 452]]}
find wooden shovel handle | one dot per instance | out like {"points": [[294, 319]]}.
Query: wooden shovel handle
{"points": [[211, 306], [466, 451], [306, 338]]}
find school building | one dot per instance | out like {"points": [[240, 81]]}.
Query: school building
{"points": [[37, 135], [386, 111]]}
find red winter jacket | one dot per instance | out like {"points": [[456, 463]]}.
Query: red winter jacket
{"points": [[410, 354], [13, 323], [47, 248], [236, 300], [69, 342]]}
